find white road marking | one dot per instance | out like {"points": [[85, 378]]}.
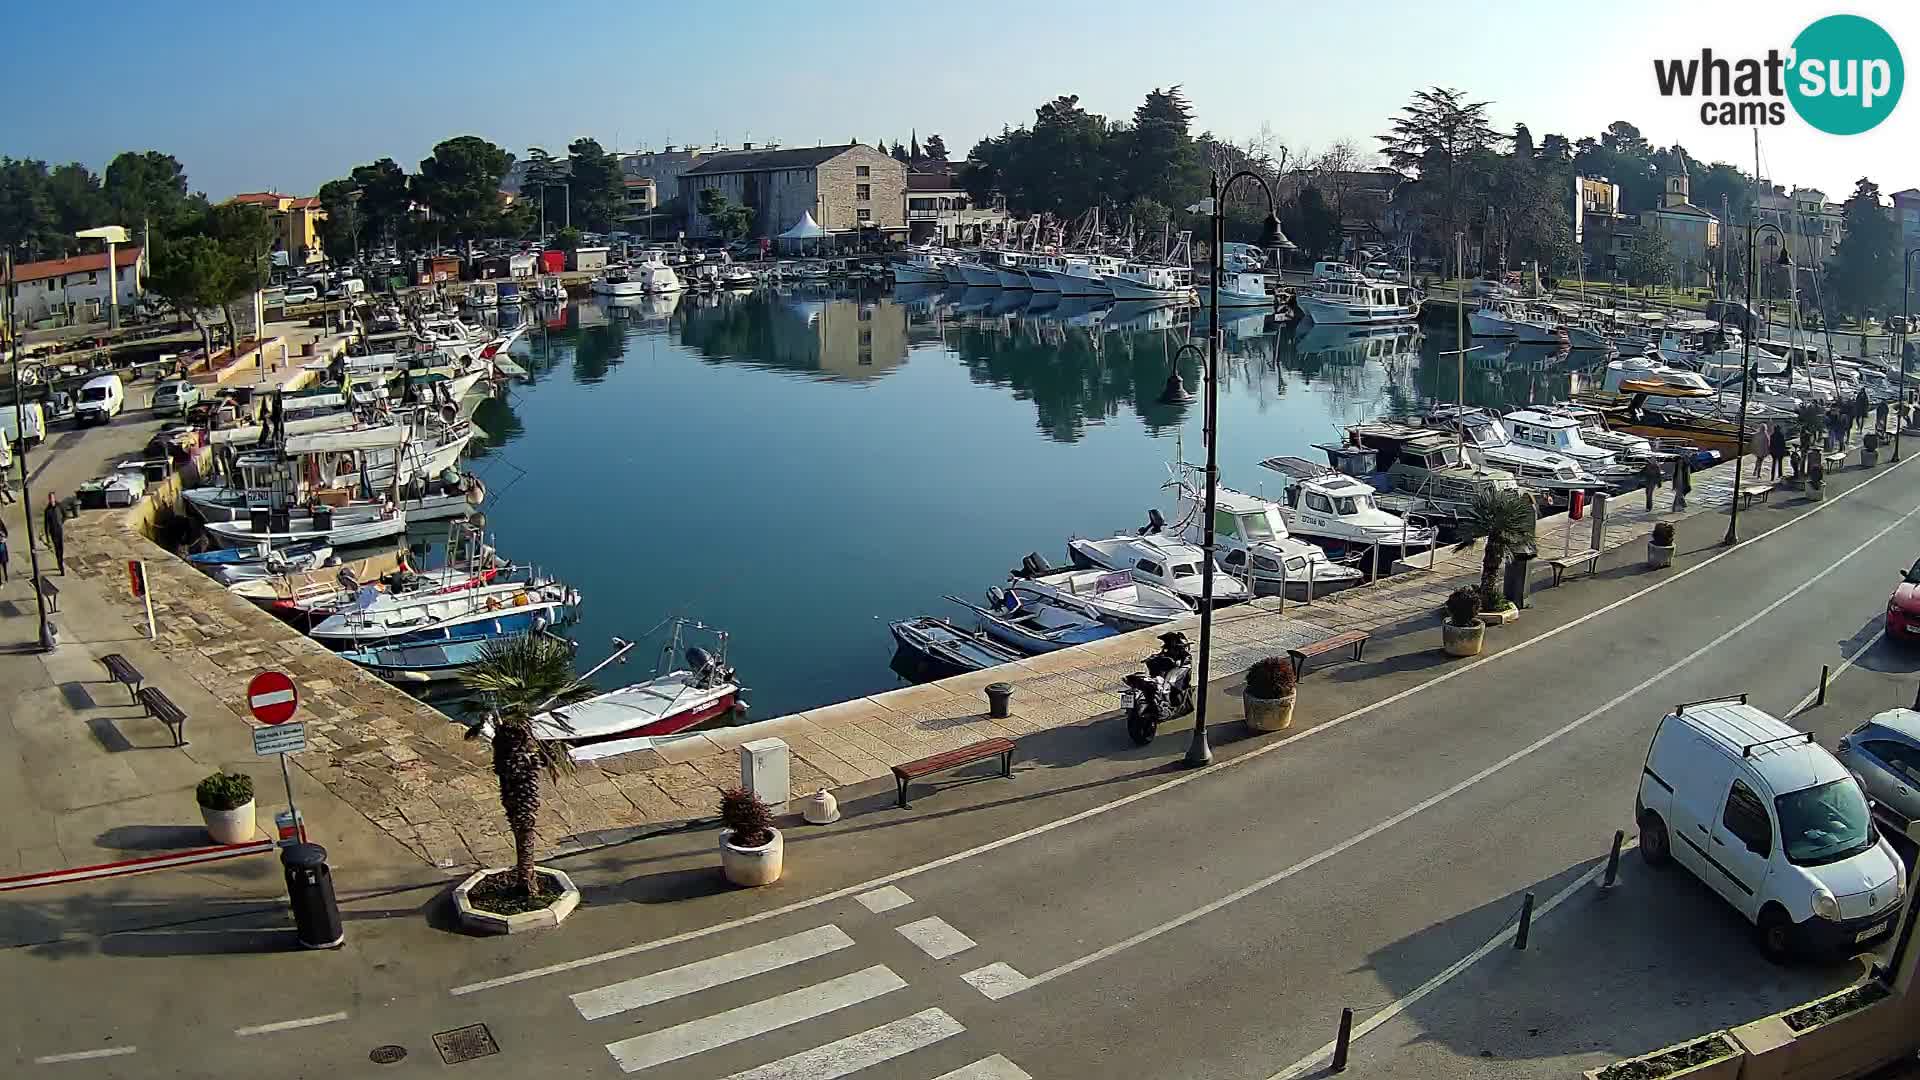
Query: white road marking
{"points": [[987, 1068], [721, 1029], [855, 1052], [705, 974], [1845, 663], [996, 981], [885, 899], [936, 937], [1436, 799], [289, 1025], [85, 1055], [1158, 789], [1402, 1004]]}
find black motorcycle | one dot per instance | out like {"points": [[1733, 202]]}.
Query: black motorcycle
{"points": [[1164, 692]]}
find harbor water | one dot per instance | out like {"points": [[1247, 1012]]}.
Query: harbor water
{"points": [[801, 468]]}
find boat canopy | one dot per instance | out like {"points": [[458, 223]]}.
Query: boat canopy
{"points": [[322, 442]]}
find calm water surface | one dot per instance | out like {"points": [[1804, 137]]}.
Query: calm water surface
{"points": [[801, 468]]}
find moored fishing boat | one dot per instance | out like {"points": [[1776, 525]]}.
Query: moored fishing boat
{"points": [[948, 648], [1112, 596]]}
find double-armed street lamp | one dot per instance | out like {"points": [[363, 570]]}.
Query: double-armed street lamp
{"points": [[1746, 375], [1900, 353], [1274, 241]]}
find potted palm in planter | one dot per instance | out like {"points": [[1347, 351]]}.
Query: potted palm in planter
{"points": [[1870, 449], [520, 678], [1817, 481], [751, 849], [1660, 545], [1269, 694], [226, 805], [1463, 633], [1504, 520]]}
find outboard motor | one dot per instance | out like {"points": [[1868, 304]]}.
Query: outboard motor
{"points": [[1164, 692], [1034, 565], [1155, 523]]}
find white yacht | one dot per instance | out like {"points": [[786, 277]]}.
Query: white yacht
{"points": [[1640, 375], [1553, 475], [1500, 317], [1563, 434], [1331, 301], [1339, 512]]}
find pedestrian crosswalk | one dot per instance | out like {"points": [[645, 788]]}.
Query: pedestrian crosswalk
{"points": [[811, 954]]}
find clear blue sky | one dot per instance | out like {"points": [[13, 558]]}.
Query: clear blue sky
{"points": [[253, 96]]}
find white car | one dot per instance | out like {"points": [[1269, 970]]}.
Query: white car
{"points": [[175, 398], [1771, 821], [302, 294]]}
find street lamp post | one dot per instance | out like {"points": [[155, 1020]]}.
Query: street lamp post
{"points": [[1199, 753], [1746, 379], [12, 336], [1906, 306]]}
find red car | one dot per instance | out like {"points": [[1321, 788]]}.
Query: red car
{"points": [[1903, 607]]}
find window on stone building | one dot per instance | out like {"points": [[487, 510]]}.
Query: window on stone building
{"points": [[863, 192], [865, 215], [863, 170]]}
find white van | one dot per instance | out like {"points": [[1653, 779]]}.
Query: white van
{"points": [[27, 428], [346, 288], [101, 399], [1772, 822]]}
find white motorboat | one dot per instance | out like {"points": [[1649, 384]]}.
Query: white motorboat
{"points": [[1504, 318], [1344, 301], [1244, 288], [386, 617], [1160, 560], [1112, 596], [482, 294], [1641, 375], [272, 563], [550, 289], [630, 718], [1032, 625], [1252, 532], [1151, 281], [923, 266], [1009, 268], [1562, 434], [1553, 475], [264, 526], [954, 273], [1340, 513], [1086, 275], [1629, 449], [979, 270], [620, 281]]}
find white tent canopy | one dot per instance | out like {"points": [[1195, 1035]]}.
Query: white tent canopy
{"points": [[806, 229]]}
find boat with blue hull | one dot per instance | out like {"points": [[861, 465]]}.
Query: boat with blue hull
{"points": [[1032, 626], [423, 663]]}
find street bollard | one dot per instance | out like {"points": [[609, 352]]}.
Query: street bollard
{"points": [[1526, 922], [1613, 860], [1821, 698], [1342, 1040], [1310, 569]]}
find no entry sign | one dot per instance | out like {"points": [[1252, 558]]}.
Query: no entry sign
{"points": [[272, 697]]}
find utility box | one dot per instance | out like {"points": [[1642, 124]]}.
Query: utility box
{"points": [[1597, 510], [763, 771]]}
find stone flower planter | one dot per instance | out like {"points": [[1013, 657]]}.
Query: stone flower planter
{"points": [[1816, 494], [552, 915], [1502, 617], [1463, 640], [1726, 1066], [1869, 458], [751, 867], [235, 826], [1659, 556], [1269, 714], [1849, 1044]]}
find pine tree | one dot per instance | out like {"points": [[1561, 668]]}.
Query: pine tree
{"points": [[1866, 263]]}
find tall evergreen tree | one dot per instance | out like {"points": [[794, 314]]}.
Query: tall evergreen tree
{"points": [[1440, 134], [1866, 265], [936, 148]]}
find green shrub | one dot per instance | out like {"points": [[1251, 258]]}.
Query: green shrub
{"points": [[225, 791], [1271, 678], [1463, 607], [747, 817], [1663, 533], [1493, 599]]}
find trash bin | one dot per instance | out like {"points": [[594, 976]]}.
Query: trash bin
{"points": [[999, 697], [322, 517], [259, 519], [316, 915], [1515, 587]]}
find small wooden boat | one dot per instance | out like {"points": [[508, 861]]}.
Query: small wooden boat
{"points": [[1032, 626], [950, 648]]}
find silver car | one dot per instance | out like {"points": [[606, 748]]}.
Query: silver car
{"points": [[1884, 753]]}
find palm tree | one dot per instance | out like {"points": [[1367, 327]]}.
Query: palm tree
{"points": [[521, 677], [1505, 520]]}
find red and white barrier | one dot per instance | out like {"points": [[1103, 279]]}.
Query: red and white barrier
{"points": [[190, 857]]}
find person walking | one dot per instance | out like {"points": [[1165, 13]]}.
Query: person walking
{"points": [[1860, 406], [1880, 417], [1650, 477], [56, 533], [1682, 483], [1777, 448], [1762, 440], [3, 553]]}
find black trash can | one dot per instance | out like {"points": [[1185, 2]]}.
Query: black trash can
{"points": [[316, 915], [259, 519], [999, 699], [1519, 567], [322, 517]]}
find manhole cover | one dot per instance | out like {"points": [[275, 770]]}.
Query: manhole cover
{"points": [[386, 1055], [465, 1044]]}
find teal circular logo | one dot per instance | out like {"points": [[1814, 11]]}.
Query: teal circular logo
{"points": [[1846, 74]]}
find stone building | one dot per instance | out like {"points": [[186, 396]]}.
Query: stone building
{"points": [[1693, 234], [851, 191]]}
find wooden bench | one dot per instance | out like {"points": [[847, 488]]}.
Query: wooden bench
{"points": [[49, 592], [120, 670], [1355, 638], [953, 759], [1567, 562], [161, 708], [1751, 492], [1834, 461]]}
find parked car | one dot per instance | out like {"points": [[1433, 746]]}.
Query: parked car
{"points": [[25, 426], [1903, 607], [1771, 821], [1884, 755], [302, 294], [101, 399], [175, 397]]}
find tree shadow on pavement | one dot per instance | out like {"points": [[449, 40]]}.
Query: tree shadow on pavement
{"points": [[1607, 974]]}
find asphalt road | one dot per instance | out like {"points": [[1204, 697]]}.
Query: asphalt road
{"points": [[1104, 912]]}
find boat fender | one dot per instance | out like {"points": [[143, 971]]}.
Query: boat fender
{"points": [[520, 600], [493, 603]]}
